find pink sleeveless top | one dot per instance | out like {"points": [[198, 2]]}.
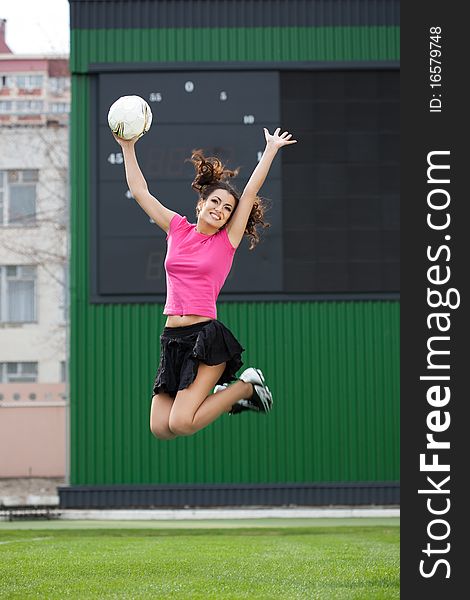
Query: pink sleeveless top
{"points": [[197, 266]]}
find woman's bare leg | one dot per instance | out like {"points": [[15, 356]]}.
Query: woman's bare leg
{"points": [[160, 416], [195, 407]]}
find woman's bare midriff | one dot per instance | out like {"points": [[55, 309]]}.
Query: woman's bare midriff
{"points": [[184, 320]]}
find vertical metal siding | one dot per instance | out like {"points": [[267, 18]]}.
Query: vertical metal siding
{"points": [[91, 46]]}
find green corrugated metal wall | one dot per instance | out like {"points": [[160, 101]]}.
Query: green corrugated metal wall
{"points": [[333, 366], [234, 44]]}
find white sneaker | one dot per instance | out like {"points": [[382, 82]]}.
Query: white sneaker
{"points": [[262, 396], [253, 376]]}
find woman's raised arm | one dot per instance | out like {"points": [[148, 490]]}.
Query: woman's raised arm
{"points": [[138, 186], [237, 224]]}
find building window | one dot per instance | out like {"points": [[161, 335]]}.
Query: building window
{"points": [[18, 197], [29, 107], [64, 295], [59, 107], [6, 107], [63, 371], [3, 192], [6, 81], [29, 82], [18, 372], [17, 294], [58, 85]]}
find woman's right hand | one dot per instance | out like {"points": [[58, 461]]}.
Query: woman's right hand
{"points": [[126, 143]]}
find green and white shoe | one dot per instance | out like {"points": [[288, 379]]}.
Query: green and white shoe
{"points": [[260, 401]]}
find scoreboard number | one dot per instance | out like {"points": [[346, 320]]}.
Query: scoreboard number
{"points": [[116, 158]]}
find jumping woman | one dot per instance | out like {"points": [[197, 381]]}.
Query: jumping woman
{"points": [[198, 353]]}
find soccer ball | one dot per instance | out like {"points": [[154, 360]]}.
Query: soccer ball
{"points": [[129, 116]]}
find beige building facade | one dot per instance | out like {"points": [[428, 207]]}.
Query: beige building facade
{"points": [[34, 107]]}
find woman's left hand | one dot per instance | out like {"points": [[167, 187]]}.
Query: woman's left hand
{"points": [[277, 139]]}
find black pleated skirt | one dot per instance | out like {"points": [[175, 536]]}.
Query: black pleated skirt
{"points": [[182, 348]]}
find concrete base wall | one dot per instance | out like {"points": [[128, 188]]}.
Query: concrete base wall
{"points": [[33, 433]]}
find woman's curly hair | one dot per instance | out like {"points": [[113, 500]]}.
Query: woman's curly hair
{"points": [[211, 175]]}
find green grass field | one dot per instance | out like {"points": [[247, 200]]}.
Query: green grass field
{"points": [[265, 559]]}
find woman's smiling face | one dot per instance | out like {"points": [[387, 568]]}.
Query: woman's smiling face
{"points": [[217, 209]]}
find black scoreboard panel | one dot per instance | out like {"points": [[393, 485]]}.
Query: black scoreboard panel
{"points": [[341, 181], [334, 221]]}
